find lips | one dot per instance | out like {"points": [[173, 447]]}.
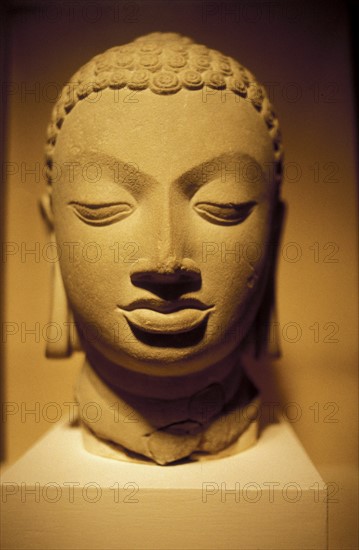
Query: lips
{"points": [[166, 317]]}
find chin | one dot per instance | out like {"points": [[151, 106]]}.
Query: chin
{"points": [[164, 359]]}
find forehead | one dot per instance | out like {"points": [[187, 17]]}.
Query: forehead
{"points": [[164, 136]]}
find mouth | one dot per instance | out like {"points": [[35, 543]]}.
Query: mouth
{"points": [[166, 317]]}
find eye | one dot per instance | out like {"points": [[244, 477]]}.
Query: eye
{"points": [[224, 214], [101, 214]]}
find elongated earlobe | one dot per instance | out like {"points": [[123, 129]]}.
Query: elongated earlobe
{"points": [[62, 336], [58, 336], [46, 209], [273, 347]]}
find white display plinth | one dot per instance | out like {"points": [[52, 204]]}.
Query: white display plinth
{"points": [[58, 496]]}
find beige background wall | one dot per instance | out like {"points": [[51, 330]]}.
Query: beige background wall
{"points": [[302, 52]]}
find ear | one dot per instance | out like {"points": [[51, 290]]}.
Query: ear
{"points": [[263, 336], [46, 209], [267, 334], [63, 339]]}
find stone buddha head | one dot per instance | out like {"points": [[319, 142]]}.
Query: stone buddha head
{"points": [[164, 165]]}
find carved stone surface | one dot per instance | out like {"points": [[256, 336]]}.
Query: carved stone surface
{"points": [[164, 164]]}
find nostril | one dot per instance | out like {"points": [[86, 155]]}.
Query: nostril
{"points": [[168, 271], [167, 279]]}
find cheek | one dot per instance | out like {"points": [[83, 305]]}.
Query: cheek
{"points": [[232, 254], [95, 269]]}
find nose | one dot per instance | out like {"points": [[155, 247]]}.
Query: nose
{"points": [[168, 278], [165, 270], [170, 271]]}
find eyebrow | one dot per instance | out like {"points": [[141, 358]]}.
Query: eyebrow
{"points": [[190, 181], [127, 174], [222, 164]]}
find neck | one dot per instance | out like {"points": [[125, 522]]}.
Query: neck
{"points": [[121, 380], [166, 419]]}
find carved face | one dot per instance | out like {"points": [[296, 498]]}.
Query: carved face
{"points": [[168, 202]]}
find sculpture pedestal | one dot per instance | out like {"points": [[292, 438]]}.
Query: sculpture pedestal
{"points": [[58, 496]]}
